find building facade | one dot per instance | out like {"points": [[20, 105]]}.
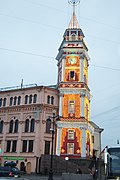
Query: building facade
{"points": [[24, 111], [75, 132], [24, 130]]}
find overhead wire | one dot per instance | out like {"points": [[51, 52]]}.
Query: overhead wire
{"points": [[50, 57]]}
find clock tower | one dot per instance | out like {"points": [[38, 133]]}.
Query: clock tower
{"points": [[74, 130]]}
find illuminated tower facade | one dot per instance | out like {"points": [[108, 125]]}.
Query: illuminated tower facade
{"points": [[74, 130]]}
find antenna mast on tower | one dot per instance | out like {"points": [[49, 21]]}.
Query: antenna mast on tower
{"points": [[74, 3]]}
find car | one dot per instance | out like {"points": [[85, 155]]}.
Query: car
{"points": [[9, 171]]}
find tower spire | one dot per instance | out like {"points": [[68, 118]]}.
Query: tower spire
{"points": [[73, 23]]}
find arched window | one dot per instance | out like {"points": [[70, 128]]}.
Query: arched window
{"points": [[48, 125], [35, 98], [15, 100], [48, 99], [1, 126], [27, 125], [0, 102], [4, 102], [52, 100], [16, 126], [11, 101], [30, 99], [73, 37], [11, 126], [26, 99], [32, 126], [19, 100]]}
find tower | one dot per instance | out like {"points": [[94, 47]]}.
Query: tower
{"points": [[74, 130]]}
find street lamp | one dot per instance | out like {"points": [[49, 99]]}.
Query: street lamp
{"points": [[54, 117]]}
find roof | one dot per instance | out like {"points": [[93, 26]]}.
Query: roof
{"points": [[73, 22], [96, 127]]}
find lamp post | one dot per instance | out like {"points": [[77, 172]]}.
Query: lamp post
{"points": [[53, 132]]}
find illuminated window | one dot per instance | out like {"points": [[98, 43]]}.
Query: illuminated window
{"points": [[70, 148], [71, 106], [70, 134]]}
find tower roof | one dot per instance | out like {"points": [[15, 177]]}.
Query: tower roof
{"points": [[73, 22]]}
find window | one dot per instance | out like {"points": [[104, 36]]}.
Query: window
{"points": [[70, 148], [0, 102], [1, 126], [24, 147], [52, 100], [11, 101], [26, 99], [35, 98], [73, 37], [87, 110], [85, 81], [32, 126], [72, 75], [4, 102], [11, 126], [8, 146], [47, 147], [48, 125], [48, 99], [30, 99], [30, 147], [14, 145], [16, 126], [70, 134], [27, 125], [19, 100], [71, 106], [15, 100]]}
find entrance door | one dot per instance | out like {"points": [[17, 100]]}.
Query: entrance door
{"points": [[28, 168]]}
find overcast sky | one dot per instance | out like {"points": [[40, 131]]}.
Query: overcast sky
{"points": [[31, 32]]}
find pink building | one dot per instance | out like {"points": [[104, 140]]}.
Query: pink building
{"points": [[24, 133]]}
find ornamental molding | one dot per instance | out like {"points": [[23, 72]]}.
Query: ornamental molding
{"points": [[80, 125], [82, 92]]}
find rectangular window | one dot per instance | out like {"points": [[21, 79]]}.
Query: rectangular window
{"points": [[70, 148], [72, 75], [30, 147], [71, 107], [47, 147], [8, 146], [14, 145], [92, 139], [24, 147], [70, 134]]}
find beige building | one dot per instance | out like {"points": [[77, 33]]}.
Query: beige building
{"points": [[24, 133]]}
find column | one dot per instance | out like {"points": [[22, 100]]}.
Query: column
{"points": [[58, 141], [82, 105], [60, 104], [81, 69], [83, 154], [63, 66]]}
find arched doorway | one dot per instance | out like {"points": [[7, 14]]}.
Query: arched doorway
{"points": [[28, 168], [22, 166]]}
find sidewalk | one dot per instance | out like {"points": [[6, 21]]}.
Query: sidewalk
{"points": [[39, 177]]}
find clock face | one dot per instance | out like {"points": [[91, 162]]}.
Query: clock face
{"points": [[72, 60]]}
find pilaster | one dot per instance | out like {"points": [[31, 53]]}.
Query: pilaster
{"points": [[83, 154], [58, 141]]}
